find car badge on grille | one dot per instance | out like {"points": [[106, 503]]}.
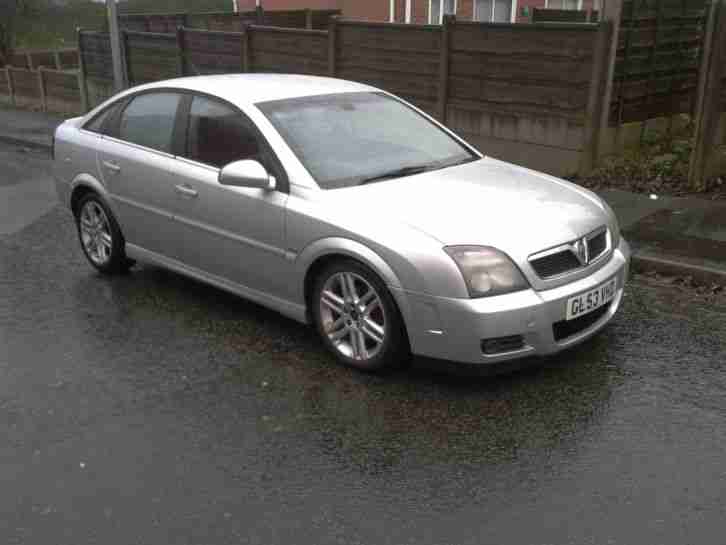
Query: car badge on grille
{"points": [[579, 248]]}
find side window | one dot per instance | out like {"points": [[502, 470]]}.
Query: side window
{"points": [[97, 124], [148, 120], [219, 135]]}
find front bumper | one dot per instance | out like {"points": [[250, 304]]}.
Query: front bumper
{"points": [[453, 329]]}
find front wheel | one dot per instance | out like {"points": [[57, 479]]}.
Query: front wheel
{"points": [[100, 236], [357, 318]]}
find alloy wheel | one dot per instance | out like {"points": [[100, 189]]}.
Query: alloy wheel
{"points": [[353, 317], [95, 233]]}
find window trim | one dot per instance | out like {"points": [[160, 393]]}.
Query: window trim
{"points": [[181, 138], [181, 126], [107, 122], [441, 11], [115, 126]]}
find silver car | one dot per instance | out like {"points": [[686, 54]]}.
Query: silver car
{"points": [[343, 206]]}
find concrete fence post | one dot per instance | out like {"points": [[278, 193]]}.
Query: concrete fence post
{"points": [[596, 104], [182, 50], [128, 68], [708, 103], [29, 60], [444, 60], [41, 86], [332, 45], [611, 13], [246, 58], [57, 60], [82, 83], [11, 86]]}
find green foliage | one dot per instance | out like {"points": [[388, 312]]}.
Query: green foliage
{"points": [[50, 27], [659, 165], [46, 25]]}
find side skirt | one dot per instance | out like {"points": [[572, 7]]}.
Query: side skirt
{"points": [[287, 308]]}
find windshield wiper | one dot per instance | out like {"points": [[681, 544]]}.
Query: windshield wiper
{"points": [[399, 173]]}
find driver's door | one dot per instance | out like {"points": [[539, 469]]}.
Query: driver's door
{"points": [[231, 232]]}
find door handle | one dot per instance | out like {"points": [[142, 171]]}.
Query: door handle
{"points": [[186, 191], [113, 167]]}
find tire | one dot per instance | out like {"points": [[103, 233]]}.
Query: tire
{"points": [[100, 236], [360, 325]]}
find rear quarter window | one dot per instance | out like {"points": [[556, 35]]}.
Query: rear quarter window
{"points": [[99, 123]]}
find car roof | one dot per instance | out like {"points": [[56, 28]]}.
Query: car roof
{"points": [[253, 88]]}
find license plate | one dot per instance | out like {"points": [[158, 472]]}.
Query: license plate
{"points": [[579, 305]]}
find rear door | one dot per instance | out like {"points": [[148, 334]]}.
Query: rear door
{"points": [[136, 163], [231, 232]]}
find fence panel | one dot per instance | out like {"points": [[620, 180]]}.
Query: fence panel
{"points": [[283, 18], [42, 58], [224, 22], [25, 84], [321, 18], [288, 51], [151, 57], [62, 86], [522, 68], [658, 57], [530, 93], [212, 52], [402, 59], [69, 58], [4, 89], [167, 23], [546, 15], [95, 49], [19, 60], [163, 23]]}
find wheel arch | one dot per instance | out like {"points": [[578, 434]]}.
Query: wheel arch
{"points": [[84, 184], [316, 256]]}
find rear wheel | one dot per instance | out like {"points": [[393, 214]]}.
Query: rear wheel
{"points": [[100, 236], [357, 317]]}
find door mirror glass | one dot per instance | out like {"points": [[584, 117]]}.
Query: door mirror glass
{"points": [[247, 173]]}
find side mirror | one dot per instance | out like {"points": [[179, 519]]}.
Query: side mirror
{"points": [[247, 173]]}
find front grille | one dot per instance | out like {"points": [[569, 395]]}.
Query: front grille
{"points": [[571, 256], [567, 328], [597, 245], [555, 264], [500, 345]]}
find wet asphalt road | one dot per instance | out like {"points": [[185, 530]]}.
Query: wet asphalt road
{"points": [[152, 409]]}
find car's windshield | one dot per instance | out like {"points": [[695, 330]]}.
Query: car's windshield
{"points": [[352, 138]]}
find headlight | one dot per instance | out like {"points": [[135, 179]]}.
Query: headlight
{"points": [[614, 225], [487, 271]]}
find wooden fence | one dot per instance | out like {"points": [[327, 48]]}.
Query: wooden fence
{"points": [[167, 23], [96, 66], [526, 93], [58, 59], [546, 15], [659, 51], [150, 57], [49, 89], [543, 94]]}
